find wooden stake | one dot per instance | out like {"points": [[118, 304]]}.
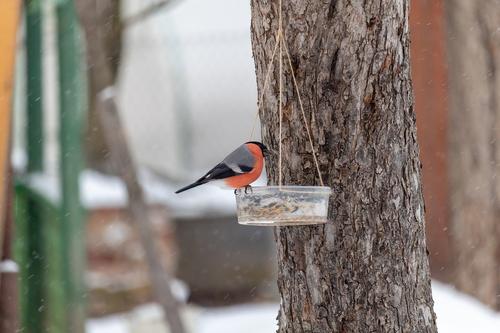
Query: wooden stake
{"points": [[9, 17]]}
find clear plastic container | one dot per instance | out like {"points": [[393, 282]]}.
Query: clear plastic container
{"points": [[283, 206]]}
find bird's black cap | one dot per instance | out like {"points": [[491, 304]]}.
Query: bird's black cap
{"points": [[264, 149]]}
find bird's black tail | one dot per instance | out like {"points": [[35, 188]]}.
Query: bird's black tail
{"points": [[196, 183]]}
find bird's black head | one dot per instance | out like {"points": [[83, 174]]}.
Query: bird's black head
{"points": [[265, 151]]}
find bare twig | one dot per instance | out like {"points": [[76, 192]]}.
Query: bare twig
{"points": [[147, 12], [122, 161], [124, 166]]}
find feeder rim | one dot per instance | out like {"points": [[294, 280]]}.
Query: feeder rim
{"points": [[292, 188]]}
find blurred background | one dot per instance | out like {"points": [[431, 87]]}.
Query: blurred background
{"points": [[185, 92]]}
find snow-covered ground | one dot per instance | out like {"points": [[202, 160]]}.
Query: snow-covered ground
{"points": [[103, 191], [456, 313], [460, 313]]}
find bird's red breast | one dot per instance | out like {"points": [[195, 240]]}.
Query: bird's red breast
{"points": [[243, 180]]}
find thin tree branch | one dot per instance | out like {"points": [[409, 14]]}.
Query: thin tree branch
{"points": [[124, 166], [122, 161], [147, 12]]}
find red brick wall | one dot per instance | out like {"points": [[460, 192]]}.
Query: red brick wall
{"points": [[429, 72]]}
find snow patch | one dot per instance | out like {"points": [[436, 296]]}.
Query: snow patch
{"points": [[8, 266], [456, 313], [98, 191], [460, 313], [103, 191]]}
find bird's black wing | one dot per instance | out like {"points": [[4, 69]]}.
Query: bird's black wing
{"points": [[220, 171]]}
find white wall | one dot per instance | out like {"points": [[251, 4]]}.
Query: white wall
{"points": [[188, 83]]}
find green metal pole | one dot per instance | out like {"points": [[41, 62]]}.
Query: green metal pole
{"points": [[30, 226], [72, 108], [29, 254], [34, 131]]}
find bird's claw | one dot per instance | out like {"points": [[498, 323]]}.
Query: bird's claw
{"points": [[247, 188]]}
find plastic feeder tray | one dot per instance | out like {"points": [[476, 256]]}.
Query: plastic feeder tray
{"points": [[285, 206]]}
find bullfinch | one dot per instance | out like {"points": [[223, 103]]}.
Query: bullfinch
{"points": [[239, 169]]}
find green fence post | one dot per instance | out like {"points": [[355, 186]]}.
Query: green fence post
{"points": [[50, 241], [29, 220], [72, 107], [34, 131], [28, 252]]}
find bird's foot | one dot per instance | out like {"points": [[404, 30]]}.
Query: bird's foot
{"points": [[248, 188]]}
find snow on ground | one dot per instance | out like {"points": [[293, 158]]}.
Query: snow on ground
{"points": [[240, 319], [102, 191], [98, 190], [248, 318], [456, 313]]}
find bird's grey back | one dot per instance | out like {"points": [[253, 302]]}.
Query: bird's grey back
{"points": [[240, 160]]}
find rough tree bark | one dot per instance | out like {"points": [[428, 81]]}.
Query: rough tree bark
{"points": [[474, 159], [367, 271]]}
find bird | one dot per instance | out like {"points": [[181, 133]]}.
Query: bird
{"points": [[238, 170]]}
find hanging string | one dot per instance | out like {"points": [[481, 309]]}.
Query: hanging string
{"points": [[281, 43], [280, 108], [308, 130], [280, 102]]}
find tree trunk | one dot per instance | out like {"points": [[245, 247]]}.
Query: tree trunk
{"points": [[367, 270], [108, 30], [474, 65]]}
